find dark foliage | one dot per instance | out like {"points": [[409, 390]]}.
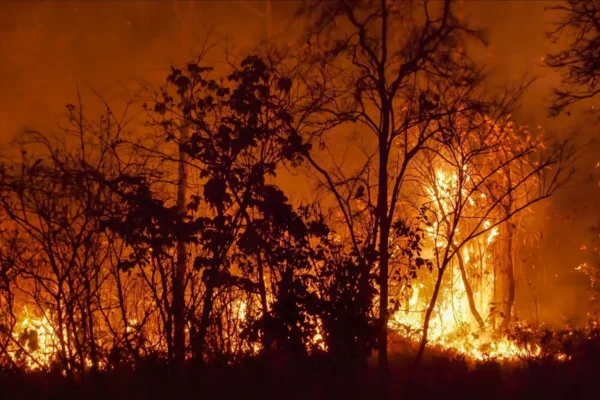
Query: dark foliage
{"points": [[579, 63], [442, 376]]}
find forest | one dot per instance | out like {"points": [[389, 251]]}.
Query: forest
{"points": [[342, 216]]}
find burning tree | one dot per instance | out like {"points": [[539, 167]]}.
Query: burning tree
{"points": [[389, 65], [400, 73], [482, 172], [176, 243], [239, 135], [53, 246]]}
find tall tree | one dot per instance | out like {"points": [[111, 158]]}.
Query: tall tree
{"points": [[181, 270], [241, 133], [54, 206], [389, 63], [472, 159]]}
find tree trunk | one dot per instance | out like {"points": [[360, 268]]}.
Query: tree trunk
{"points": [[262, 288], [207, 305], [212, 274], [468, 290], [510, 276], [181, 267], [384, 231], [383, 298], [92, 336], [509, 270], [382, 208], [430, 308]]}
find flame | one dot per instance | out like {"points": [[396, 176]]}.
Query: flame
{"points": [[452, 325], [37, 339]]}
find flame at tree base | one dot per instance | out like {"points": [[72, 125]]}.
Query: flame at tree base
{"points": [[470, 302], [478, 346]]}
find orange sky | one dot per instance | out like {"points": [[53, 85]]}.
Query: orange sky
{"points": [[48, 49]]}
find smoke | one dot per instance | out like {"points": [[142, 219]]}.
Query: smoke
{"points": [[52, 49]]}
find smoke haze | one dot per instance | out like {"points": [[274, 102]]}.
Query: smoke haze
{"points": [[50, 49]]}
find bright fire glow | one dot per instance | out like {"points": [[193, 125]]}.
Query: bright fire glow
{"points": [[37, 340], [453, 325]]}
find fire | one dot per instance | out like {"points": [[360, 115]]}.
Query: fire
{"points": [[37, 339], [453, 325]]}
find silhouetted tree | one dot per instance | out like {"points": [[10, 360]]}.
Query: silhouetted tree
{"points": [[387, 65], [240, 133], [579, 63], [55, 246], [480, 152]]}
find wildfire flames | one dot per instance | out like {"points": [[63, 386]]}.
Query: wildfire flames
{"points": [[452, 326], [173, 232], [37, 340]]}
